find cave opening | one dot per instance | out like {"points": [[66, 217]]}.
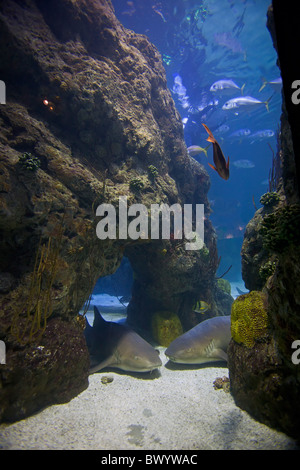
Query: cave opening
{"points": [[112, 294]]}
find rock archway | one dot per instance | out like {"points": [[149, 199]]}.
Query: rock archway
{"points": [[88, 118]]}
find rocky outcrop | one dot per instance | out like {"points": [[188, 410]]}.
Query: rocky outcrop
{"points": [[264, 380], [88, 118]]}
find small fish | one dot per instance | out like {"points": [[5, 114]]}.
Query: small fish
{"points": [[260, 135], [222, 129], [244, 104], [275, 84], [226, 87], [221, 167], [194, 150], [243, 164], [201, 307], [240, 133]]}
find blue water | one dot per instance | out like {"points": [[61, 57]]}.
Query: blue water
{"points": [[202, 42]]}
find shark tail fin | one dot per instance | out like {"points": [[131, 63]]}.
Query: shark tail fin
{"points": [[98, 319]]}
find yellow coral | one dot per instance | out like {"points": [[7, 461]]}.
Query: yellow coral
{"points": [[166, 326], [249, 318]]}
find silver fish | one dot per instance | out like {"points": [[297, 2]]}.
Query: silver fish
{"points": [[244, 104], [226, 87], [243, 164]]}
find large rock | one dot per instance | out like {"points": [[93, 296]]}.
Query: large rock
{"points": [[264, 379], [88, 118]]}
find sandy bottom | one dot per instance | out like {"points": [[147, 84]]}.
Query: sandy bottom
{"points": [[171, 409]]}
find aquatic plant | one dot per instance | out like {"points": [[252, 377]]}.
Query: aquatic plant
{"points": [[166, 326], [38, 305], [267, 269], [224, 285], [249, 318], [280, 229], [269, 199], [136, 184], [29, 161], [153, 172]]}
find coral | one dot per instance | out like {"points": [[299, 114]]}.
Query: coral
{"points": [[224, 285], [249, 318], [29, 161], [269, 199], [153, 172], [136, 184], [280, 229], [222, 383], [166, 326]]}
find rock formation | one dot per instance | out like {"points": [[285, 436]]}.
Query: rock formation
{"points": [[264, 379], [88, 118]]}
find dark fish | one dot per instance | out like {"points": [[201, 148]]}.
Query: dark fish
{"points": [[221, 167]]}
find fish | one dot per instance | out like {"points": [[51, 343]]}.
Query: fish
{"points": [[227, 40], [260, 135], [240, 133], [226, 87], [244, 104], [243, 164], [201, 307], [206, 342], [114, 345], [221, 167], [194, 150], [276, 84]]}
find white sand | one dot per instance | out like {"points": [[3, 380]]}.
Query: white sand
{"points": [[175, 409]]}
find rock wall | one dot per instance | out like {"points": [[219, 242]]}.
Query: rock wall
{"points": [[88, 118], [263, 378]]}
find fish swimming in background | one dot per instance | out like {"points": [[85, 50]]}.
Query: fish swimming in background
{"points": [[206, 342], [194, 150], [221, 167], [275, 84], [201, 307], [114, 345], [243, 164], [260, 135], [244, 104], [226, 87], [240, 133], [227, 40]]}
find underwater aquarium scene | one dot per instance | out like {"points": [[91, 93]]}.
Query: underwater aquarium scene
{"points": [[149, 228]]}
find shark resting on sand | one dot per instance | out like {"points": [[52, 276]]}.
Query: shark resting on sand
{"points": [[114, 345], [206, 342]]}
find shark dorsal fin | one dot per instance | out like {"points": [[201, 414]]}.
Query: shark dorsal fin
{"points": [[98, 319]]}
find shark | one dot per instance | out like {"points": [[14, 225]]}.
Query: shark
{"points": [[115, 345], [206, 342]]}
